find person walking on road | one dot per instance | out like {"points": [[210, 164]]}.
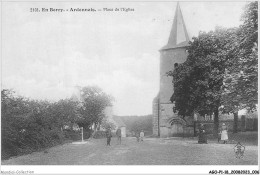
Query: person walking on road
{"points": [[142, 135], [224, 133], [137, 136], [118, 134], [202, 138], [108, 135]]}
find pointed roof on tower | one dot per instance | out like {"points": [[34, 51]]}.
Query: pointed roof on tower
{"points": [[179, 36]]}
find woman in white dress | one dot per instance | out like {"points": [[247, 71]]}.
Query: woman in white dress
{"points": [[224, 133]]}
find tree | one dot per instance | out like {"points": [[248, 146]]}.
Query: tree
{"points": [[220, 72], [93, 103], [240, 90], [28, 125], [247, 53], [105, 123], [182, 96], [198, 81], [64, 112]]}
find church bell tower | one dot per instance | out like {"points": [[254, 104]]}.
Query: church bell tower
{"points": [[172, 54]]}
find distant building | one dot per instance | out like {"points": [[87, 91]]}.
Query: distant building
{"points": [[117, 121], [120, 124]]}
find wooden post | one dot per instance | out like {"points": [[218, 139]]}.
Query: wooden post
{"points": [[194, 126], [255, 124], [243, 123], [82, 134], [235, 122]]}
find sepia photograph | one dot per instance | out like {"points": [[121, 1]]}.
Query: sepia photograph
{"points": [[157, 87]]}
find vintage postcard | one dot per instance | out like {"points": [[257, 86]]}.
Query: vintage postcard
{"points": [[157, 87]]}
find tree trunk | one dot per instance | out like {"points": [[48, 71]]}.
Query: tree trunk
{"points": [[243, 123], [194, 127], [235, 122], [216, 123]]}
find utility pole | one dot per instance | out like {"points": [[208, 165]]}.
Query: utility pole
{"points": [[82, 134]]}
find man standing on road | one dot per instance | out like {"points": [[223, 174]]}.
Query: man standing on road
{"points": [[137, 136], [108, 135], [118, 134], [202, 135], [142, 135]]}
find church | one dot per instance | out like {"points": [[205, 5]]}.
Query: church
{"points": [[165, 122]]}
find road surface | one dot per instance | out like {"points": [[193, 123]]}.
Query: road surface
{"points": [[152, 151]]}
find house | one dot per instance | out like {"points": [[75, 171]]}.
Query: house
{"points": [[120, 124], [117, 121]]}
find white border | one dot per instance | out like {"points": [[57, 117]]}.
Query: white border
{"points": [[151, 169], [70, 169]]}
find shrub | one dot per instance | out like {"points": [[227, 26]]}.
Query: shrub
{"points": [[99, 134]]}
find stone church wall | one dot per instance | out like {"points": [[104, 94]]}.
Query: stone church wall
{"points": [[168, 59], [155, 116]]}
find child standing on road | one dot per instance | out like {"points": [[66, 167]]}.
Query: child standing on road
{"points": [[224, 133]]}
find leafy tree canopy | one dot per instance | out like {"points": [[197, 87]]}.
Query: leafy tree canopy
{"points": [[93, 103], [198, 81], [241, 77]]}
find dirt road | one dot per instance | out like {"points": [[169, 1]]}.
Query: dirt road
{"points": [[153, 151]]}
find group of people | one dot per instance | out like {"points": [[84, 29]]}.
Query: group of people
{"points": [[109, 135], [140, 137], [223, 134]]}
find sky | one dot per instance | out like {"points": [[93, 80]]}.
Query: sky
{"points": [[46, 54]]}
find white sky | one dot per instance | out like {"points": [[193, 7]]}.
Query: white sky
{"points": [[45, 54]]}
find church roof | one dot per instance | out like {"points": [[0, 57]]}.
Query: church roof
{"points": [[76, 94], [74, 97], [179, 36]]}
